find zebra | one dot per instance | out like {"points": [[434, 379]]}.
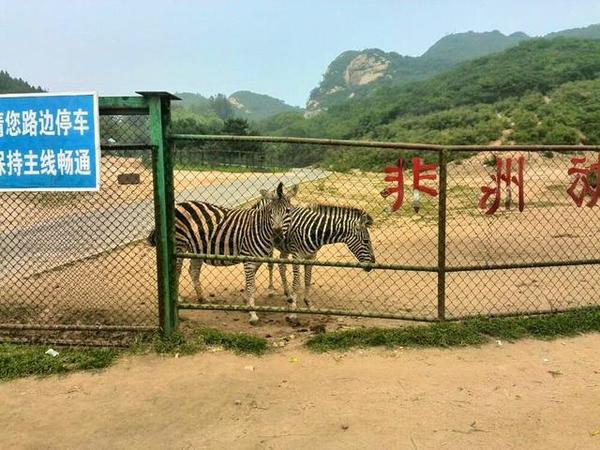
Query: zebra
{"points": [[210, 229], [306, 230], [309, 229]]}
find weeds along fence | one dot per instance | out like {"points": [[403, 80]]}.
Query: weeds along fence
{"points": [[456, 231]]}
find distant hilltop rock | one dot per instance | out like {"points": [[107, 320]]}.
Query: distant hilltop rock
{"points": [[349, 72], [354, 73], [365, 69]]}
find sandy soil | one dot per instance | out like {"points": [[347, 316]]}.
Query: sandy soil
{"points": [[528, 395]]}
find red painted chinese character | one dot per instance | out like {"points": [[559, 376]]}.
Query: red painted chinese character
{"points": [[418, 169], [583, 177], [419, 174], [505, 177], [398, 178]]}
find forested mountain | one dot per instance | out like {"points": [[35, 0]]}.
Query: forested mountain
{"points": [[541, 91], [10, 85], [357, 73], [241, 104], [258, 106]]}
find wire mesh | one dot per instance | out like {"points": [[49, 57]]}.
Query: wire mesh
{"points": [[551, 228], [220, 173], [77, 260], [80, 261]]}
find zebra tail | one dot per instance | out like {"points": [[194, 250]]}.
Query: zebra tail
{"points": [[152, 238]]}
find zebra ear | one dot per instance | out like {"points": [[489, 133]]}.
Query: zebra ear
{"points": [[280, 190], [292, 191]]}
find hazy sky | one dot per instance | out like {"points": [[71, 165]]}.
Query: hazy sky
{"points": [[276, 47]]}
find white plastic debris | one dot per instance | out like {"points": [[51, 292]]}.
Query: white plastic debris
{"points": [[52, 352], [416, 200], [249, 368]]}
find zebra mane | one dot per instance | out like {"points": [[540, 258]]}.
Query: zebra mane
{"points": [[323, 208]]}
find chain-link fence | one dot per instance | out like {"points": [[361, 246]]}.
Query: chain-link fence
{"points": [[503, 233], [76, 265], [445, 233]]}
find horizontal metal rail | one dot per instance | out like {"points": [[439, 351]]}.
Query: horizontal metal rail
{"points": [[304, 262], [531, 265], [383, 144], [295, 140], [408, 268], [539, 312], [283, 309], [123, 106], [50, 327], [126, 147], [49, 340]]}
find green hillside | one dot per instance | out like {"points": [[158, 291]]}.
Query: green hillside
{"points": [[254, 106], [589, 32], [542, 91], [10, 85], [460, 47], [355, 74]]}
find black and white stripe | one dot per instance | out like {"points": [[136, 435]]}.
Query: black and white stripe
{"points": [[313, 227], [203, 228]]}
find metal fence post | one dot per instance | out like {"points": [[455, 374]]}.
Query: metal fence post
{"points": [[159, 104], [441, 266]]}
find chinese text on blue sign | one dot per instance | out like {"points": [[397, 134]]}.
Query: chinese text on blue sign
{"points": [[49, 142]]}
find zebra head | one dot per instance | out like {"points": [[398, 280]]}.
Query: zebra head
{"points": [[278, 203], [358, 239]]}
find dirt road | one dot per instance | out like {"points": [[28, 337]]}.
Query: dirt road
{"points": [[529, 395]]}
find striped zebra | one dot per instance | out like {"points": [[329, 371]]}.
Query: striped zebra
{"points": [[209, 229], [310, 229]]}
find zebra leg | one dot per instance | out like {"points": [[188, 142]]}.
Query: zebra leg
{"points": [[292, 318], [250, 272], [307, 279], [195, 267], [271, 289], [178, 266], [283, 276]]}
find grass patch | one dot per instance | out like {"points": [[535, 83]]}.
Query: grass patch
{"points": [[470, 332], [197, 340], [18, 361]]}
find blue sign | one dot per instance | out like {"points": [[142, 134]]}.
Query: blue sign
{"points": [[49, 142]]}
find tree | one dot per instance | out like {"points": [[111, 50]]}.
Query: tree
{"points": [[221, 106]]}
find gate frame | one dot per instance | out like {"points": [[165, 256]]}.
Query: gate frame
{"points": [[157, 106]]}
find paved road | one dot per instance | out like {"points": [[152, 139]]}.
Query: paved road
{"points": [[54, 243]]}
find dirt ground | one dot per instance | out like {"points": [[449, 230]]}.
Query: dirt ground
{"points": [[526, 395]]}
